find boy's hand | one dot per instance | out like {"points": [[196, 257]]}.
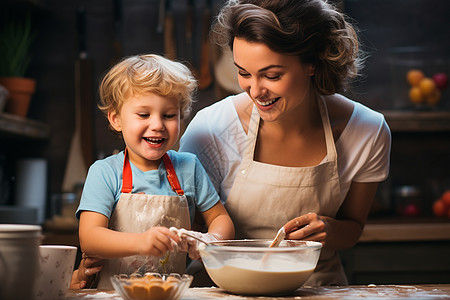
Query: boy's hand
{"points": [[157, 241], [189, 244], [85, 274]]}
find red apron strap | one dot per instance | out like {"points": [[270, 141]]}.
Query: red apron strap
{"points": [[127, 175], [171, 175]]}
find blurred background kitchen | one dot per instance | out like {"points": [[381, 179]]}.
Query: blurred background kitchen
{"points": [[47, 145]]}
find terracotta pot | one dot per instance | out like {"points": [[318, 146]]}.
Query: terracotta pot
{"points": [[20, 93]]}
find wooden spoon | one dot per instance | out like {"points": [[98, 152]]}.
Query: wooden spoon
{"points": [[278, 238]]}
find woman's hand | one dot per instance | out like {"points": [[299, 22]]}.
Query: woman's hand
{"points": [[309, 227], [156, 241], [85, 274]]}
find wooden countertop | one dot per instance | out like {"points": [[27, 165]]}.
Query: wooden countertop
{"points": [[441, 291]]}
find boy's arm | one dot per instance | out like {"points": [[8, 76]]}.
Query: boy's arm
{"points": [[219, 222], [97, 240]]}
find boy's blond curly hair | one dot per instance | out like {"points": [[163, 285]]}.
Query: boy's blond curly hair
{"points": [[147, 73]]}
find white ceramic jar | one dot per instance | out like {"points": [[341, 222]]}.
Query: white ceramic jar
{"points": [[19, 261]]}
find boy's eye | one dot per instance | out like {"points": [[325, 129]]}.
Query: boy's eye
{"points": [[170, 116], [142, 115]]}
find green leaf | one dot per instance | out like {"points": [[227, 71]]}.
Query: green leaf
{"points": [[16, 37]]}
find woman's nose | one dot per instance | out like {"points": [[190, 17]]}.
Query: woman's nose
{"points": [[256, 89]]}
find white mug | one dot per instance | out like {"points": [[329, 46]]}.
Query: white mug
{"points": [[56, 265]]}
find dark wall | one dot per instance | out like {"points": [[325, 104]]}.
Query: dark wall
{"points": [[398, 36], [385, 25]]}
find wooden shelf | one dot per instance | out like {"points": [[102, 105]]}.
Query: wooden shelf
{"points": [[12, 126], [402, 232], [417, 120]]}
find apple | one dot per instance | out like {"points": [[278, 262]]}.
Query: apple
{"points": [[411, 210], [441, 80]]}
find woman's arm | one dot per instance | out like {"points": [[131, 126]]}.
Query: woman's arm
{"points": [[343, 231], [97, 240]]}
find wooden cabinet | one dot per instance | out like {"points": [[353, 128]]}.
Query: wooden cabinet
{"points": [[400, 254], [398, 262]]}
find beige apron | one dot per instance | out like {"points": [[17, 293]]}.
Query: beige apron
{"points": [[139, 212], [264, 197]]}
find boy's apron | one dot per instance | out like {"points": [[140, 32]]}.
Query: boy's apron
{"points": [[264, 197], [139, 212]]}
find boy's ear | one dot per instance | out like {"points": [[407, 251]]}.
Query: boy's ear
{"points": [[114, 120]]}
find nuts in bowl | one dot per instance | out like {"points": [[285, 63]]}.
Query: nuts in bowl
{"points": [[151, 286]]}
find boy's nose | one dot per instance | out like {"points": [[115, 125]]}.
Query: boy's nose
{"points": [[156, 123]]}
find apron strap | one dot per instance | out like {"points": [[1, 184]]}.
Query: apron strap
{"points": [[172, 176], [127, 175]]}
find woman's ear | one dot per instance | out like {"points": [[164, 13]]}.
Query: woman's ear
{"points": [[311, 70], [114, 120]]}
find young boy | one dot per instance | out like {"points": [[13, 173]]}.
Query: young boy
{"points": [[131, 199]]}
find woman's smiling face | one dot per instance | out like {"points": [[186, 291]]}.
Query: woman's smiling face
{"points": [[150, 126], [276, 83]]}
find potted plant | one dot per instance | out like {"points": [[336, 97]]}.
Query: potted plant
{"points": [[16, 37]]}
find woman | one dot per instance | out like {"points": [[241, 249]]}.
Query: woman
{"points": [[291, 151]]}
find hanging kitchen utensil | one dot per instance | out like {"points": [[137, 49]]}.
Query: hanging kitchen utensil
{"points": [[81, 147], [168, 29], [161, 16], [117, 43], [179, 10], [200, 41], [199, 7]]}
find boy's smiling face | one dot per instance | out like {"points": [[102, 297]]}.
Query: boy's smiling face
{"points": [[150, 126]]}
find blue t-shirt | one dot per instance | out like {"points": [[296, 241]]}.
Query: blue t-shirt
{"points": [[102, 188]]}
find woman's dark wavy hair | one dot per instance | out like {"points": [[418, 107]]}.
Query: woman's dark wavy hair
{"points": [[313, 30]]}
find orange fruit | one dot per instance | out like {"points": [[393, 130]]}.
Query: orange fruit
{"points": [[414, 77], [434, 97], [427, 86], [446, 198], [439, 208], [415, 95]]}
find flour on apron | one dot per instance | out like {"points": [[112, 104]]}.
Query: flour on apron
{"points": [[136, 213], [264, 197]]}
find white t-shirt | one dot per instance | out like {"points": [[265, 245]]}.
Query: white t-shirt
{"points": [[216, 136]]}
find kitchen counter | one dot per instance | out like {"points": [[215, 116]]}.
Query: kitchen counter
{"points": [[431, 291]]}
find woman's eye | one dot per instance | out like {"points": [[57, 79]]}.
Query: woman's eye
{"points": [[243, 74], [273, 77]]}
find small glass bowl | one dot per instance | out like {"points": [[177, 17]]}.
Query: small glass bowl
{"points": [[151, 286]]}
